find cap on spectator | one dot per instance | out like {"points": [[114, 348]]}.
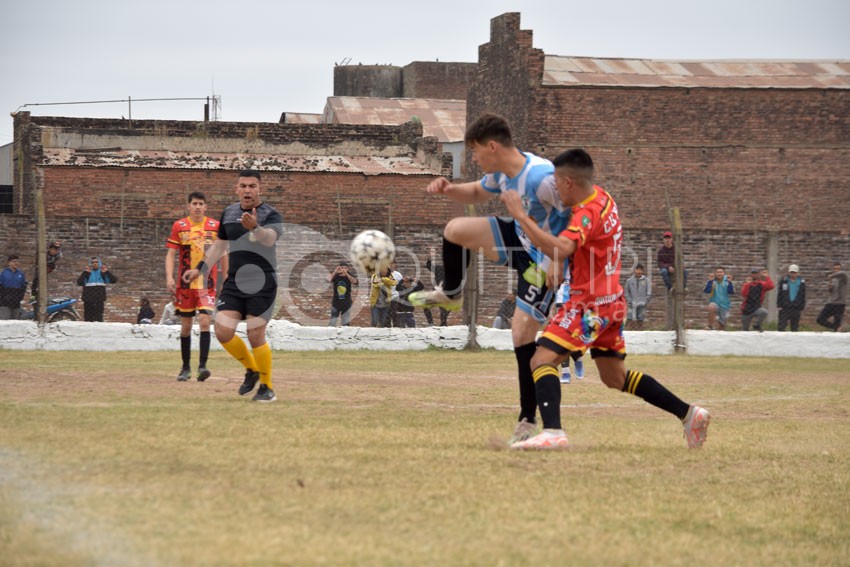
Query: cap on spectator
{"points": [[755, 271], [668, 233], [794, 268]]}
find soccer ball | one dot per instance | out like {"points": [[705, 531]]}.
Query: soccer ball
{"points": [[373, 250]]}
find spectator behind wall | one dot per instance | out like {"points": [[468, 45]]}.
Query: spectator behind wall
{"points": [[753, 298], [832, 314], [666, 260], [13, 288], [93, 280], [791, 299]]}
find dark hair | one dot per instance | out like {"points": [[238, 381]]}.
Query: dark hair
{"points": [[145, 302], [720, 268], [12, 257], [578, 162], [639, 266], [576, 158], [489, 127], [196, 195], [250, 173]]}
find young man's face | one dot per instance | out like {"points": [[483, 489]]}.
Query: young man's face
{"points": [[568, 189], [95, 265], [13, 264], [639, 272], [668, 241], [836, 268], [485, 156], [248, 190], [197, 209], [719, 273]]}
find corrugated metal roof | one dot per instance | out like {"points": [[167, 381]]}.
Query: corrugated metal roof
{"points": [[444, 119], [365, 165], [574, 71]]}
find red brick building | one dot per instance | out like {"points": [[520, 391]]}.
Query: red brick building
{"points": [[756, 155]]}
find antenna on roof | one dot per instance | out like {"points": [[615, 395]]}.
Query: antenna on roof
{"points": [[216, 104]]}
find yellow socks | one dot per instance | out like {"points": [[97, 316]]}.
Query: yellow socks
{"points": [[237, 349], [263, 356]]}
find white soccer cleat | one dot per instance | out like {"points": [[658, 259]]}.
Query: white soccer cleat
{"points": [[523, 430], [435, 298], [546, 439], [696, 426]]}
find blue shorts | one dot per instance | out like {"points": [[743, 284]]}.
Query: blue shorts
{"points": [[532, 295]]}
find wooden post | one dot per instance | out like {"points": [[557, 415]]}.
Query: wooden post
{"points": [[775, 275], [679, 285], [471, 293], [41, 254]]}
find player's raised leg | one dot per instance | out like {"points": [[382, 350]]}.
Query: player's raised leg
{"points": [[461, 237], [613, 373]]}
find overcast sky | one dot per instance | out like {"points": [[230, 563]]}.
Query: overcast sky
{"points": [[268, 57]]}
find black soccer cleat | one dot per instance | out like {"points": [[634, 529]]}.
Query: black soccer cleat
{"points": [[251, 377], [264, 394], [203, 373], [184, 374]]}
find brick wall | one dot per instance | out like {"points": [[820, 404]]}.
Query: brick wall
{"points": [[432, 79], [738, 163]]}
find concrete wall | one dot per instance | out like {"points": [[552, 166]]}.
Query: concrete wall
{"points": [[419, 79], [383, 81], [282, 335]]}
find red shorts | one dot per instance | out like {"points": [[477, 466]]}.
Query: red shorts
{"points": [[190, 300], [579, 326]]}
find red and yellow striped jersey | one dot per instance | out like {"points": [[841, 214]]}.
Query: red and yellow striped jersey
{"points": [[191, 242]]}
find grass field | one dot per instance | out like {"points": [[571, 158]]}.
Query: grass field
{"points": [[390, 459]]}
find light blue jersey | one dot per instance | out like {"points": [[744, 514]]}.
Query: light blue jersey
{"points": [[536, 187], [563, 294]]}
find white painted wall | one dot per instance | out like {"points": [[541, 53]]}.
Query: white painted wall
{"points": [[283, 335]]}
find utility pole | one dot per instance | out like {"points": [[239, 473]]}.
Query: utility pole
{"points": [[679, 286]]}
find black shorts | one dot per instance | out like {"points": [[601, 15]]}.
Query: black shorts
{"points": [[259, 304], [532, 295]]}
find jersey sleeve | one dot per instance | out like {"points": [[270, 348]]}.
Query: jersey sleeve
{"points": [[221, 234], [547, 192], [580, 226], [490, 183], [173, 239], [274, 221]]}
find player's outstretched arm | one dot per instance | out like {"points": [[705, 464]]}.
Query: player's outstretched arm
{"points": [[468, 193], [553, 246]]}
